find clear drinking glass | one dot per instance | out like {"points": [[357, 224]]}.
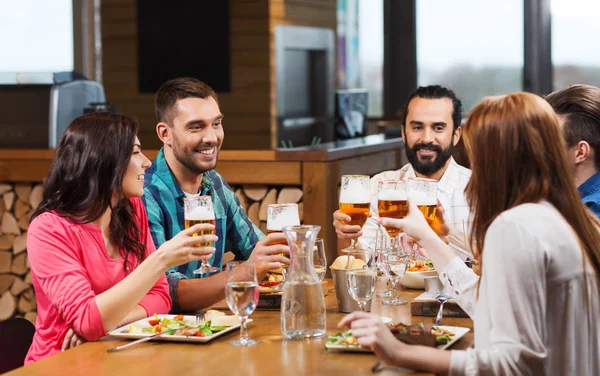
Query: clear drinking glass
{"points": [[394, 264], [278, 216], [423, 193], [355, 201], [361, 275], [241, 293], [319, 259], [199, 209], [381, 246]]}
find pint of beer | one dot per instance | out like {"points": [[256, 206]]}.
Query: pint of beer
{"points": [[392, 203], [423, 193], [280, 215], [355, 198], [199, 210]]}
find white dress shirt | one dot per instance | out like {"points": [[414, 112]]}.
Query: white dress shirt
{"points": [[530, 317], [451, 194]]}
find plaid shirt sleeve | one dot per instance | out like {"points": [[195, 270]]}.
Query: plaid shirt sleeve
{"points": [[242, 234], [157, 231]]}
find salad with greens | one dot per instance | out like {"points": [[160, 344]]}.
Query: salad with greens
{"points": [[177, 326]]}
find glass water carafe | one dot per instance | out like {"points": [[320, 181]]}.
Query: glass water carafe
{"points": [[303, 304]]}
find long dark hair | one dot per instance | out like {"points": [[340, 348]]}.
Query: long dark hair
{"points": [[87, 173], [518, 156]]}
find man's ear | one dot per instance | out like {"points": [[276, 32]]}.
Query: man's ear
{"points": [[457, 135], [164, 133], [581, 152]]}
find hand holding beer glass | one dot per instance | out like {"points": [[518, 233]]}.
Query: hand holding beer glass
{"points": [[423, 193], [199, 209], [278, 216], [355, 202]]}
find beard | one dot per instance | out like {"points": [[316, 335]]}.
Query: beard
{"points": [[188, 157], [429, 166]]}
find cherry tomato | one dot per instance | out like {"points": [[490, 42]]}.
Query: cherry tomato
{"points": [[179, 317], [199, 334], [153, 322]]}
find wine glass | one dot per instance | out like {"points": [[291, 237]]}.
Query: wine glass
{"points": [[381, 246], [361, 275], [278, 216], [394, 265], [199, 209], [355, 201], [319, 259], [241, 293]]}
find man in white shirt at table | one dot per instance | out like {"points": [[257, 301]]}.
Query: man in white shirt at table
{"points": [[431, 128]]}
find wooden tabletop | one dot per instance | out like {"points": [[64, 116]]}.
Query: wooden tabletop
{"points": [[272, 356]]}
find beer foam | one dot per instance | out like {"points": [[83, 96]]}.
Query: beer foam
{"points": [[200, 213], [359, 196], [392, 195], [421, 199], [282, 217]]}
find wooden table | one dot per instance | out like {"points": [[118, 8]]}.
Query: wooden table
{"points": [[273, 356]]}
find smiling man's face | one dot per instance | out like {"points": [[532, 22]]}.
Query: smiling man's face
{"points": [[429, 134], [197, 132]]}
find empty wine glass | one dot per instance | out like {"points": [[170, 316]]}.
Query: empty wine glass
{"points": [[319, 259], [394, 263], [361, 275], [241, 293], [199, 209]]}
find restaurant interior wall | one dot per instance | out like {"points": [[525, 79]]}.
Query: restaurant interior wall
{"points": [[250, 107]]}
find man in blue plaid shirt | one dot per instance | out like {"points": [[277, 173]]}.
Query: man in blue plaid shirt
{"points": [[190, 127]]}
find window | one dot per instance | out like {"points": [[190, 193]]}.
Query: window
{"points": [[370, 50], [575, 33], [37, 36], [471, 46]]}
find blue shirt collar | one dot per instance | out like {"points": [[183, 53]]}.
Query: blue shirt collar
{"points": [[165, 174], [590, 186]]}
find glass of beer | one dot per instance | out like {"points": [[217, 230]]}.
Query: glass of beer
{"points": [[278, 216], [392, 203], [423, 192], [199, 209], [355, 202]]}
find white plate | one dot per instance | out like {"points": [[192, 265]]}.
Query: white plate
{"points": [[458, 331], [123, 332]]}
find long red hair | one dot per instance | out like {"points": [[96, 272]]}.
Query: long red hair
{"points": [[518, 156]]}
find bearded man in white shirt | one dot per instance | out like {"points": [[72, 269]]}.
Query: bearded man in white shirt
{"points": [[431, 128]]}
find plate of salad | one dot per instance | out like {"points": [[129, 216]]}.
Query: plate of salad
{"points": [[180, 328]]}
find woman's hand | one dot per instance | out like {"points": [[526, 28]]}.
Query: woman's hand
{"points": [[414, 224], [184, 247], [72, 339], [372, 333]]}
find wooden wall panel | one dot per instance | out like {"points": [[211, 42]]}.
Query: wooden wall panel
{"points": [[250, 107], [246, 107]]}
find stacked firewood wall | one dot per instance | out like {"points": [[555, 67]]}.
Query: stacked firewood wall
{"points": [[17, 203]]}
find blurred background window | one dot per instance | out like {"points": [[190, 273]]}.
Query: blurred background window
{"points": [[575, 34], [471, 46], [370, 49], [37, 35]]}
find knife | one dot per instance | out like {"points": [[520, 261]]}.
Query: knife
{"points": [[141, 340]]}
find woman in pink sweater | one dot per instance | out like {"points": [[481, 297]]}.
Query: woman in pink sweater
{"points": [[93, 262]]}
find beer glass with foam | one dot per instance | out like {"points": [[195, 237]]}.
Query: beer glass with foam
{"points": [[278, 216], [199, 209], [423, 193], [355, 202]]}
